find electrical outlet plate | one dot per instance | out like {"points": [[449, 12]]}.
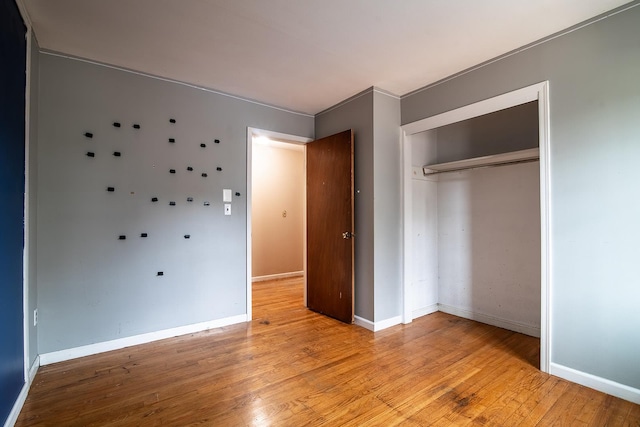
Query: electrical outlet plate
{"points": [[227, 209]]}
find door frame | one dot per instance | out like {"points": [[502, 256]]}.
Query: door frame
{"points": [[292, 139], [537, 92]]}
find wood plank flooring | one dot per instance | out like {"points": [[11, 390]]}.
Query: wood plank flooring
{"points": [[293, 367]]}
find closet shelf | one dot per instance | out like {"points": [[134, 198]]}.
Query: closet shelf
{"points": [[511, 157]]}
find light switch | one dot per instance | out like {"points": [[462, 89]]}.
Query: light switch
{"points": [[227, 208], [226, 195]]}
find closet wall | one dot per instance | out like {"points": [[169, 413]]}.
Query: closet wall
{"points": [[477, 232]]}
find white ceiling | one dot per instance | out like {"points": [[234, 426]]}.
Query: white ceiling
{"points": [[303, 55]]}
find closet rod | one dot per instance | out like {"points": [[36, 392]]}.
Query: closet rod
{"points": [[514, 162]]}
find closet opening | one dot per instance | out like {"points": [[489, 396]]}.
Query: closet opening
{"points": [[475, 214]]}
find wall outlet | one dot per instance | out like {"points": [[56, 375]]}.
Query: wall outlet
{"points": [[35, 317], [227, 209]]}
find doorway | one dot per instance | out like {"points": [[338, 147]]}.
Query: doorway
{"points": [[276, 208], [412, 131]]}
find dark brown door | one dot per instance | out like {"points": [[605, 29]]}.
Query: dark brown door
{"points": [[330, 245]]}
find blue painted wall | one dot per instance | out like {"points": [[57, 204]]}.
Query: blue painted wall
{"points": [[12, 121]]}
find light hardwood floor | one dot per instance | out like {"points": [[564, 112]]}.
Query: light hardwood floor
{"points": [[293, 367]]}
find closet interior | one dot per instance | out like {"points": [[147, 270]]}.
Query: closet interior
{"points": [[476, 219]]}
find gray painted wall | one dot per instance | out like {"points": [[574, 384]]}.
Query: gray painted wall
{"points": [[34, 81], [594, 103], [357, 114], [93, 287], [489, 243], [511, 129], [375, 120], [387, 206]]}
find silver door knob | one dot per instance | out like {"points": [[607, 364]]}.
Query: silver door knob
{"points": [[347, 235]]}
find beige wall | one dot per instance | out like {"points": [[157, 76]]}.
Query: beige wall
{"points": [[277, 186]]}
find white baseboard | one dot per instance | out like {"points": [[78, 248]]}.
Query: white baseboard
{"points": [[22, 397], [377, 326], [277, 276], [101, 347], [364, 323], [34, 369], [424, 311], [597, 383], [523, 328]]}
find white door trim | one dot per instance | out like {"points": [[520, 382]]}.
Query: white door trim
{"points": [[294, 139], [539, 92]]}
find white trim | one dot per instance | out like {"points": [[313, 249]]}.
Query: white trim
{"points": [[377, 326], [277, 276], [293, 139], [364, 323], [387, 323], [497, 103], [523, 328], [249, 290], [25, 15], [33, 370], [101, 347], [545, 226], [424, 311], [26, 249], [12, 418], [304, 227], [407, 226], [539, 92], [166, 79], [597, 383], [17, 406]]}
